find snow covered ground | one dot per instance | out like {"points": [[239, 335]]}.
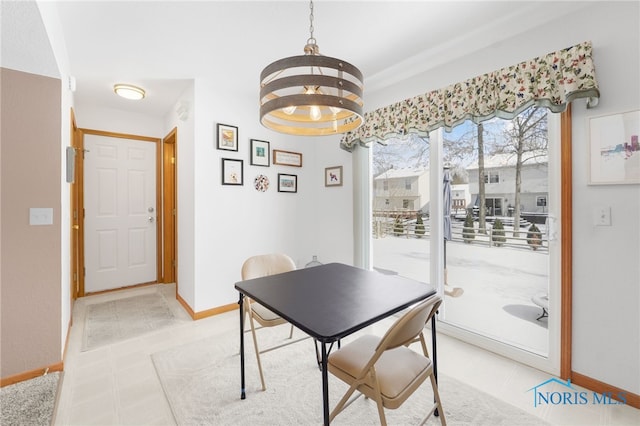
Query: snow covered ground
{"points": [[498, 284]]}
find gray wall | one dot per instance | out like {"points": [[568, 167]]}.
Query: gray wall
{"points": [[30, 263]]}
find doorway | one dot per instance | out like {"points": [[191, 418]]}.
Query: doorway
{"points": [[494, 206], [170, 208], [422, 257], [119, 237]]}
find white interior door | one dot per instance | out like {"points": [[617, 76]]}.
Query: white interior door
{"points": [[120, 212]]}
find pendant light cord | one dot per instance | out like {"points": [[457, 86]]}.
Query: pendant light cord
{"points": [[312, 39], [312, 47]]}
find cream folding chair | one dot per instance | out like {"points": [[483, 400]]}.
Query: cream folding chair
{"points": [[385, 369], [261, 266]]}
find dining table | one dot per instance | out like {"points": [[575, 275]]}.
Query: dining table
{"points": [[330, 302]]}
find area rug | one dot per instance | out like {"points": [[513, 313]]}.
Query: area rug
{"points": [[31, 402], [202, 383], [117, 320]]}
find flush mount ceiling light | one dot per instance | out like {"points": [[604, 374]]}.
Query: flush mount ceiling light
{"points": [[129, 91], [311, 94]]}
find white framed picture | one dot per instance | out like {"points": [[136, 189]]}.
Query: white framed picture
{"points": [[614, 149]]}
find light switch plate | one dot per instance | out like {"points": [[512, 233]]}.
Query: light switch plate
{"points": [[40, 216], [601, 215]]}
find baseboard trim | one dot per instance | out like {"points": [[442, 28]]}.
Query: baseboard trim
{"points": [[5, 381], [632, 399], [209, 312], [216, 311], [185, 305]]}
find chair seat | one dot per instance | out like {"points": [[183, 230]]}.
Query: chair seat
{"points": [[264, 316], [400, 371]]}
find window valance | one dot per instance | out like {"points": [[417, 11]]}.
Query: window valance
{"points": [[550, 81]]}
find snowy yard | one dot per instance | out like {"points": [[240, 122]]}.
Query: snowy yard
{"points": [[498, 284]]}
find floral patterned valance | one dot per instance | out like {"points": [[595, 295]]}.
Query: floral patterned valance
{"points": [[550, 81]]}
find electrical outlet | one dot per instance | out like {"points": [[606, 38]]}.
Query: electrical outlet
{"points": [[602, 215]]}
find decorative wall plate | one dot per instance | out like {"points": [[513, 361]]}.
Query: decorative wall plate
{"points": [[261, 183]]}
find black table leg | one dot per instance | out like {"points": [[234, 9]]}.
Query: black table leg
{"points": [[242, 388], [325, 385], [318, 357]]}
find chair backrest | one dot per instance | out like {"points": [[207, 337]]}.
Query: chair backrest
{"points": [[266, 264], [410, 325]]}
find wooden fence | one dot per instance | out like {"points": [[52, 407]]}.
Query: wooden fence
{"points": [[388, 227]]}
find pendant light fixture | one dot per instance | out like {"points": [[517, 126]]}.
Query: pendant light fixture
{"points": [[311, 94]]}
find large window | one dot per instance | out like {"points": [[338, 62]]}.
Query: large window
{"points": [[503, 265]]}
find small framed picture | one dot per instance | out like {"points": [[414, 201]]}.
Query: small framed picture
{"points": [[261, 183], [227, 137], [287, 158], [333, 176], [615, 149], [260, 153], [231, 171], [287, 183]]}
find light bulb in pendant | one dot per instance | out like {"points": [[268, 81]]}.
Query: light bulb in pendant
{"points": [[289, 110], [335, 112], [314, 112]]}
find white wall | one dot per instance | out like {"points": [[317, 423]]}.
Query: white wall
{"points": [[185, 178], [329, 224], [232, 223], [94, 117], [606, 260], [51, 23]]}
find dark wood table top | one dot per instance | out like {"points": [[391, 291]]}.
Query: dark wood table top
{"points": [[331, 301]]}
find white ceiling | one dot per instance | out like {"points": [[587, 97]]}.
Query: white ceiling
{"points": [[162, 45]]}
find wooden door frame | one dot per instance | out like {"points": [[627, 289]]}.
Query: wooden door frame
{"points": [[566, 249], [80, 201], [170, 207], [76, 236]]}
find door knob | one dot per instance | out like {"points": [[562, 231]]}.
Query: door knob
{"points": [[150, 219]]}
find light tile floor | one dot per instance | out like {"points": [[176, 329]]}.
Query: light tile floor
{"points": [[118, 385]]}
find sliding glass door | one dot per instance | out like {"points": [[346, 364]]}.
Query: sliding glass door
{"points": [[499, 268]]}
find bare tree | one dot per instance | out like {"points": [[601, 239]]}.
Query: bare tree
{"points": [[470, 146], [482, 220], [525, 138], [410, 151], [458, 149]]}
